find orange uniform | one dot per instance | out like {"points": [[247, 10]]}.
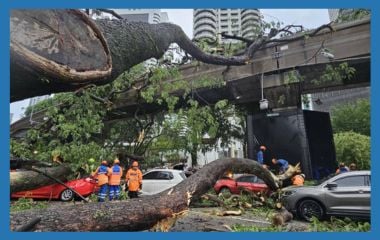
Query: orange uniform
{"points": [[298, 180], [134, 179], [114, 174], [101, 173]]}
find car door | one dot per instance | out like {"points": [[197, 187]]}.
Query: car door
{"points": [[351, 196], [251, 183], [165, 180], [149, 181], [157, 181], [243, 182]]}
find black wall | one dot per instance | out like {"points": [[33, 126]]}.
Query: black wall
{"points": [[296, 136], [321, 143]]}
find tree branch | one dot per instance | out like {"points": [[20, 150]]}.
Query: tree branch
{"points": [[246, 40], [60, 182], [112, 12]]}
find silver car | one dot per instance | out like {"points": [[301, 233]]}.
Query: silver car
{"points": [[158, 180], [346, 194]]}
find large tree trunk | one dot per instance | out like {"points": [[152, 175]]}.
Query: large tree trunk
{"points": [[62, 50], [19, 163], [27, 180], [140, 214]]}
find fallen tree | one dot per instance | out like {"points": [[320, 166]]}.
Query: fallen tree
{"points": [[20, 163], [29, 179], [63, 50], [158, 211]]}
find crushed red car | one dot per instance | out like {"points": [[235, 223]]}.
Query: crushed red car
{"points": [[84, 186], [247, 181]]}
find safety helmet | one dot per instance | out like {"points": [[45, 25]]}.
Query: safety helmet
{"points": [[135, 164], [116, 161], [262, 147], [104, 162], [302, 175]]}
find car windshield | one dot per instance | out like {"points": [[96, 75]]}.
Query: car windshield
{"points": [[320, 181]]}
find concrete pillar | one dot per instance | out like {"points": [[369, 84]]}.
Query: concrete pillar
{"points": [[250, 141]]}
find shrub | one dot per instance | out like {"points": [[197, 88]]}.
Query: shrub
{"points": [[353, 147]]}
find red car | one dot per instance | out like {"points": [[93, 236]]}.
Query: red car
{"points": [[248, 181], [84, 186]]}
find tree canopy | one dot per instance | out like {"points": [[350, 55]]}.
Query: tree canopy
{"points": [[352, 117], [353, 147]]}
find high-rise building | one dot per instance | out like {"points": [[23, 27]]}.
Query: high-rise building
{"points": [[143, 15], [334, 14], [210, 23], [205, 23]]}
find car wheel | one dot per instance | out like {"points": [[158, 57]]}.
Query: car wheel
{"points": [[67, 195], [307, 209]]}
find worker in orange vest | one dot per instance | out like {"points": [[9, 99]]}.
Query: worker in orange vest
{"points": [[101, 173], [134, 180], [115, 173], [298, 180]]}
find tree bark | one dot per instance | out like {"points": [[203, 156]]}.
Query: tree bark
{"points": [[62, 50], [282, 217], [27, 180], [157, 211], [19, 163]]}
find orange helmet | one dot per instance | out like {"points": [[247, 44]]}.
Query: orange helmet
{"points": [[262, 147], [135, 164], [116, 161], [104, 162]]}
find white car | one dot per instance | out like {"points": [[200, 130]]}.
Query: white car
{"points": [[158, 180]]}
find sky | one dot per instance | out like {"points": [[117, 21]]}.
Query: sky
{"points": [[309, 18]]}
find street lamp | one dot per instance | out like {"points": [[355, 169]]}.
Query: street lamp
{"points": [[264, 104]]}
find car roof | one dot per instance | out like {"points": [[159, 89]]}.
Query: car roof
{"points": [[345, 174], [352, 173], [164, 169]]}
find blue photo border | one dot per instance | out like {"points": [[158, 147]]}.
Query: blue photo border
{"points": [[5, 7]]}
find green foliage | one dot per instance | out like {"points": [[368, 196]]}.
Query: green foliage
{"points": [[69, 133], [352, 117], [27, 203], [353, 147], [293, 77], [75, 130], [342, 73], [339, 225], [332, 225], [352, 15], [38, 107]]}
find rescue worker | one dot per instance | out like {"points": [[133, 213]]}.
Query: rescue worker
{"points": [[115, 173], [134, 180], [101, 173], [298, 180], [260, 154], [282, 163], [342, 168]]}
